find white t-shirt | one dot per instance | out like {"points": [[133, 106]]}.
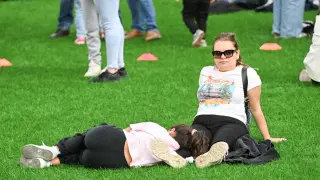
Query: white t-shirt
{"points": [[221, 93]]}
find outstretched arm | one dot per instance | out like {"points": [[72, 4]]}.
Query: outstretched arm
{"points": [[255, 108]]}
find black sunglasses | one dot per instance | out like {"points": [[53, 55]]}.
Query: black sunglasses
{"points": [[226, 53]]}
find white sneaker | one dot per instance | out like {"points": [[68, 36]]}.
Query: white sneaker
{"points": [[44, 152], [197, 37], [302, 35], [203, 43], [161, 150], [304, 77], [214, 156], [93, 70], [34, 163]]}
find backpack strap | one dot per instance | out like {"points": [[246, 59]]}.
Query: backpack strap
{"points": [[245, 91]]}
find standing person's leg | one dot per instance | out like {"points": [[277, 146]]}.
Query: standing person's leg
{"points": [[79, 22], [114, 38], [91, 20], [137, 20], [276, 18], [149, 14], [105, 148], [201, 18], [189, 13], [65, 19], [292, 18], [312, 61]]}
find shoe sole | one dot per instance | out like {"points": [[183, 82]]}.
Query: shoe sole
{"points": [[214, 156], [161, 151], [32, 163], [197, 42], [32, 151]]}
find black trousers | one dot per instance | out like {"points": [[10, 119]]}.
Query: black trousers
{"points": [[100, 147], [195, 14], [218, 128]]}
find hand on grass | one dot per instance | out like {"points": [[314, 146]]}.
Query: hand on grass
{"points": [[277, 140], [128, 129]]}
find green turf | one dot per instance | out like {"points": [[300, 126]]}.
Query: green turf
{"points": [[45, 97]]}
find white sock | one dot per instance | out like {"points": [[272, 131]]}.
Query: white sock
{"points": [[55, 151]]}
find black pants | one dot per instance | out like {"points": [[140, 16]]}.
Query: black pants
{"points": [[216, 129], [100, 147], [195, 10]]}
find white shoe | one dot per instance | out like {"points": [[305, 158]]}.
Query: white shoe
{"points": [[161, 150], [197, 37], [34, 163], [203, 43], [44, 152], [304, 77], [93, 70], [214, 156]]}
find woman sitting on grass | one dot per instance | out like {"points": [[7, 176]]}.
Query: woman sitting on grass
{"points": [[222, 113], [106, 146]]}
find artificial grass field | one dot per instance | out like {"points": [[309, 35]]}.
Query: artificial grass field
{"points": [[45, 97]]}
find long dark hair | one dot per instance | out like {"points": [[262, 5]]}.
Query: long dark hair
{"points": [[195, 141]]}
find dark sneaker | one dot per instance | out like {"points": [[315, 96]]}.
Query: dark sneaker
{"points": [[123, 72], [275, 35], [60, 33], [106, 76]]}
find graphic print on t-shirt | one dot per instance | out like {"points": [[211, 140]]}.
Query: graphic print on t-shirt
{"points": [[213, 92]]}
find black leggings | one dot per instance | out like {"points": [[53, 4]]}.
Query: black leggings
{"points": [[216, 129], [195, 10], [100, 147]]}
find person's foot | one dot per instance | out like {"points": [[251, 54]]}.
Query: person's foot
{"points": [[302, 35], [93, 70], [44, 152], [60, 33], [106, 76], [197, 37], [80, 41], [304, 77], [275, 35], [123, 72], [161, 150], [203, 43], [102, 35], [214, 156], [152, 35], [34, 162], [133, 34]]}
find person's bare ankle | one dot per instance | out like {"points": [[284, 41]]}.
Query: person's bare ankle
{"points": [[112, 70], [55, 161]]}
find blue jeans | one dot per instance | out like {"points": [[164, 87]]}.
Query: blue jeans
{"points": [[288, 17], [143, 14], [65, 15], [108, 11], [79, 21]]}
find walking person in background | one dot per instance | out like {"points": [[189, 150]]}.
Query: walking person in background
{"points": [[195, 15], [65, 19], [288, 19], [114, 38], [143, 14]]}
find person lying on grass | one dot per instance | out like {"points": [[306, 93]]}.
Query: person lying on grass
{"points": [[223, 114], [106, 146]]}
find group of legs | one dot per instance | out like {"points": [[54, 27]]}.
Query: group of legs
{"points": [[222, 132]]}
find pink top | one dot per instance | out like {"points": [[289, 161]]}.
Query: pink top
{"points": [[139, 140]]}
